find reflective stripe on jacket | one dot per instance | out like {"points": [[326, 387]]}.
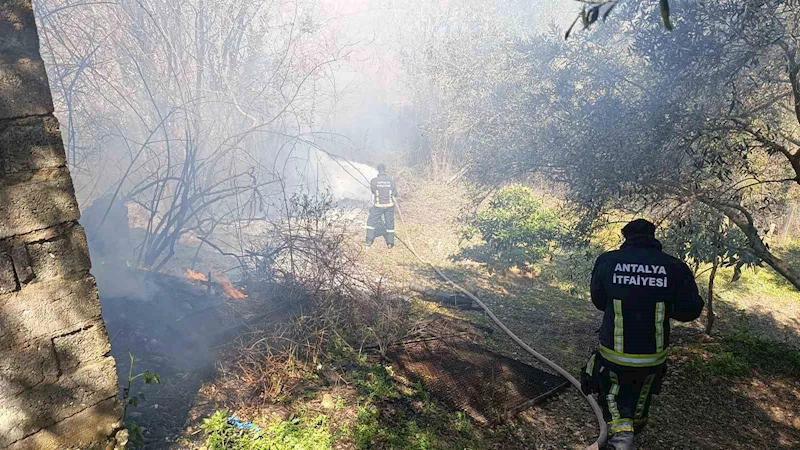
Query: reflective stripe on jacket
{"points": [[640, 288], [383, 191]]}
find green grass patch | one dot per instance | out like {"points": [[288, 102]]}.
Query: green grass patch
{"points": [[293, 434], [758, 282], [403, 416], [376, 382], [773, 358], [434, 429], [740, 353], [725, 364], [372, 433]]}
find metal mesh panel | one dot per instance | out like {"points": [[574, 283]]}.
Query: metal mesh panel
{"points": [[486, 385]]}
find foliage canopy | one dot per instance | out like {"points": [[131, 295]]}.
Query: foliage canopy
{"points": [[632, 119]]}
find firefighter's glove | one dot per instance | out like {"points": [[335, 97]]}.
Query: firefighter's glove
{"points": [[590, 376]]}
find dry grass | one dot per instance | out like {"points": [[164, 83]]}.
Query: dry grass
{"points": [[698, 408], [556, 318], [278, 361], [762, 301]]}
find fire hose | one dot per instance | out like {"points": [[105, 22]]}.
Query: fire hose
{"points": [[601, 438], [603, 435]]}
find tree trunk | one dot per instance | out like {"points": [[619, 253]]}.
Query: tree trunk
{"points": [[710, 300], [761, 250], [788, 226], [794, 78], [742, 218], [737, 272]]}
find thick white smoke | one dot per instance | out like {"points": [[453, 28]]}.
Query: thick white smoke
{"points": [[345, 180]]}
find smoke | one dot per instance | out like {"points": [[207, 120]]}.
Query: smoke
{"points": [[346, 181], [193, 173]]}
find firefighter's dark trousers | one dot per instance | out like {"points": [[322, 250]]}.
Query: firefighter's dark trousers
{"points": [[624, 393], [381, 220]]}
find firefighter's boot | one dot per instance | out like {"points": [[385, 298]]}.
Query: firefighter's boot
{"points": [[621, 441]]}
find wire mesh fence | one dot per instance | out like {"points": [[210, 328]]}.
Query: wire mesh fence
{"points": [[486, 385]]}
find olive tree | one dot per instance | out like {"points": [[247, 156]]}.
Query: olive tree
{"points": [[633, 119], [704, 237]]}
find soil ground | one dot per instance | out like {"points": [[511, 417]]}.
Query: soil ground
{"points": [[701, 405], [739, 388]]}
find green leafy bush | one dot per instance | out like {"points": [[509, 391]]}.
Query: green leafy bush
{"points": [[517, 230], [703, 235], [293, 434]]}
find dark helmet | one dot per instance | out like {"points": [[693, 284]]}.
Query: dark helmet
{"points": [[381, 168], [639, 227]]}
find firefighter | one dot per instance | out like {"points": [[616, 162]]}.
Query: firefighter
{"points": [[639, 288], [381, 215]]}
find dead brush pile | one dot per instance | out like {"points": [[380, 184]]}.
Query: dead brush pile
{"points": [[340, 310]]}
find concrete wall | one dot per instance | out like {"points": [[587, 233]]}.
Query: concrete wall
{"points": [[58, 384]]}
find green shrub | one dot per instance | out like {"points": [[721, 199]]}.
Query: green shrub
{"points": [[516, 228], [571, 268]]}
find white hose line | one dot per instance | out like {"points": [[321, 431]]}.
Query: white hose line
{"points": [[601, 438]]}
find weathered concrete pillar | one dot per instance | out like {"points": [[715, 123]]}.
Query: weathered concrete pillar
{"points": [[58, 384]]}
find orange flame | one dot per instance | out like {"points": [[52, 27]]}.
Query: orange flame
{"points": [[228, 289], [192, 275]]}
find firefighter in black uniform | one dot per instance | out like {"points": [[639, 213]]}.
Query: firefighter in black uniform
{"points": [[639, 288], [384, 192]]}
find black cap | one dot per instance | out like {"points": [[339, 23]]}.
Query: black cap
{"points": [[639, 227], [381, 168]]}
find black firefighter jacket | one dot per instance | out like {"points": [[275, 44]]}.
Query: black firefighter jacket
{"points": [[639, 287], [383, 191]]}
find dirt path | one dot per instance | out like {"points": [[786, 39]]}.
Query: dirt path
{"points": [[733, 390], [700, 406]]}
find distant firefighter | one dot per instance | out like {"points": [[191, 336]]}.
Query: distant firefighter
{"points": [[381, 215]]}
